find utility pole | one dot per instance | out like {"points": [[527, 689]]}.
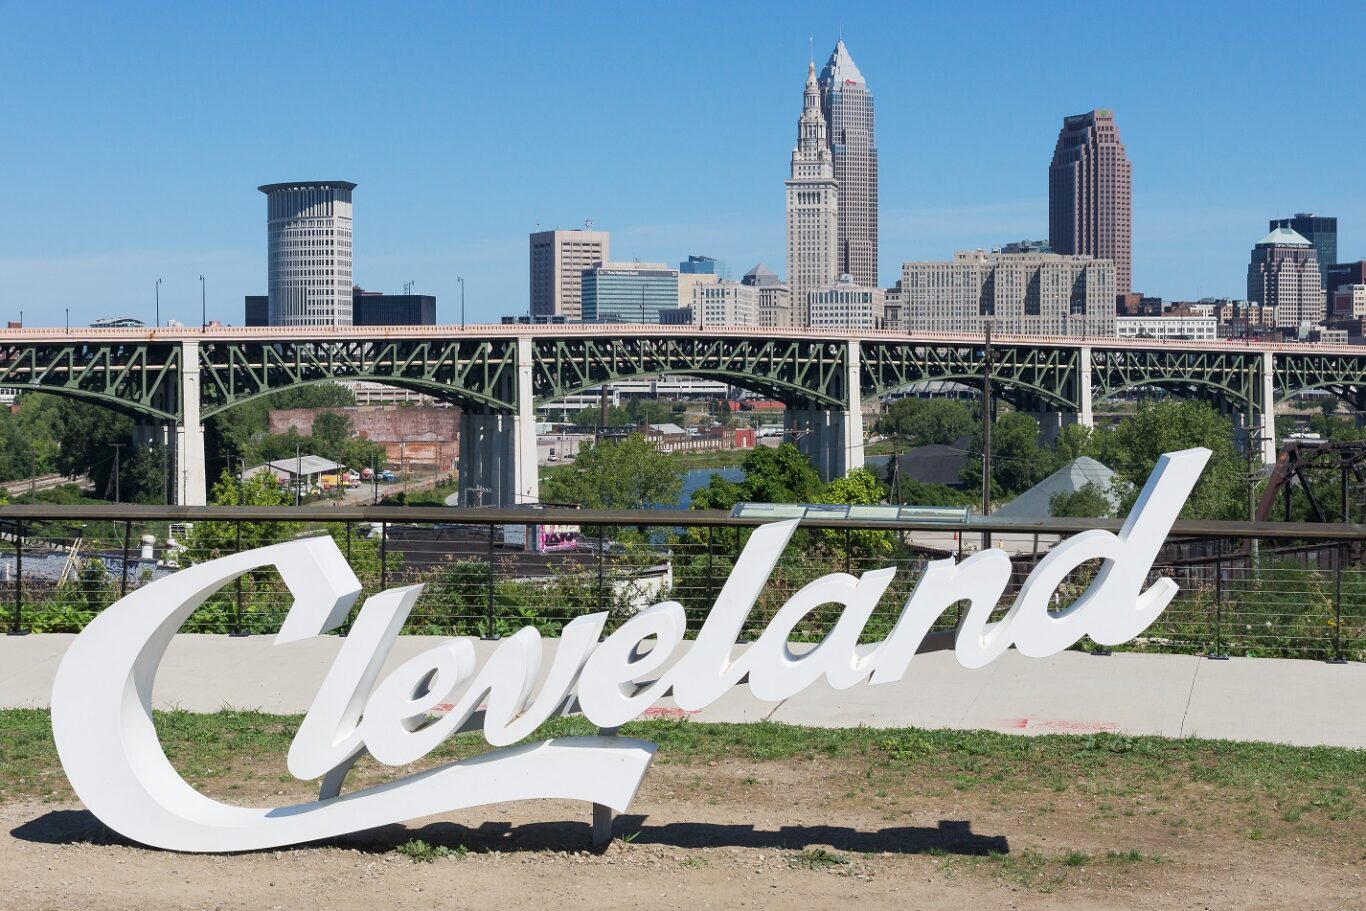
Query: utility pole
{"points": [[298, 475], [158, 292], [461, 279], [118, 451], [896, 468], [602, 415], [986, 435], [203, 305]]}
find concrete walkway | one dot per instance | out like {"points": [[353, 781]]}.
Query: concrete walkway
{"points": [[1283, 701]]}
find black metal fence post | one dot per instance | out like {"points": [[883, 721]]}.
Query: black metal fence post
{"points": [[123, 579], [490, 630], [602, 567], [346, 624], [711, 578], [16, 627], [1219, 653], [1338, 657], [383, 555], [237, 610]]}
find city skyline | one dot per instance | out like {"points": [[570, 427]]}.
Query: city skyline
{"points": [[963, 156]]}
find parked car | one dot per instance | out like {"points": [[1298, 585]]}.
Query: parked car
{"points": [[387, 475]]}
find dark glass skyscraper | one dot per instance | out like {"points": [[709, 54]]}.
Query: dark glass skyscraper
{"points": [[1319, 230], [847, 106], [1089, 195]]}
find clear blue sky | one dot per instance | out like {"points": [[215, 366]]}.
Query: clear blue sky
{"points": [[136, 134]]}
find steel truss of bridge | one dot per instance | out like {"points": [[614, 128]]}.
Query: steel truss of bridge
{"points": [[496, 374]]}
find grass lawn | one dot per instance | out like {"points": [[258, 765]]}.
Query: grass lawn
{"points": [[1289, 784], [1099, 811]]}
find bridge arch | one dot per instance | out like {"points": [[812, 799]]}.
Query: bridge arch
{"points": [[462, 398], [1352, 394], [1211, 390], [798, 372], [1012, 389]]}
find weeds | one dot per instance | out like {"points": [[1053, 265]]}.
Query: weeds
{"points": [[418, 851], [817, 859]]}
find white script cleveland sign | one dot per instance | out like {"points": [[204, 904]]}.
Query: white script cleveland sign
{"points": [[101, 701]]}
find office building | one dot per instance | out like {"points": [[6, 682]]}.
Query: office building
{"points": [[256, 310], [368, 308], [847, 106], [812, 205], [1284, 275], [892, 317], [628, 292], [373, 308], [845, 304], [1319, 230], [558, 260], [1026, 246], [1192, 328], [1349, 302], [702, 265], [1018, 293], [308, 252], [725, 304], [775, 298], [1089, 194], [698, 270], [1339, 274]]}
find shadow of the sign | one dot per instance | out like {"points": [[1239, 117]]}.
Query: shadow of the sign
{"points": [[949, 836]]}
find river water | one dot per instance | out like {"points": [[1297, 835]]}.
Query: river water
{"points": [[695, 479]]}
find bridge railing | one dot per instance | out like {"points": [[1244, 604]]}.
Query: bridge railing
{"points": [[1269, 590]]}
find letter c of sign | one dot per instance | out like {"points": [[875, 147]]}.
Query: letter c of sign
{"points": [[102, 725]]}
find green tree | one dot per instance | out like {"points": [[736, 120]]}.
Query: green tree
{"points": [[143, 475], [644, 411], [1086, 502], [1018, 459], [237, 433], [213, 539], [772, 475], [331, 430], [916, 493], [923, 421], [629, 473], [859, 487], [588, 417], [1133, 447]]}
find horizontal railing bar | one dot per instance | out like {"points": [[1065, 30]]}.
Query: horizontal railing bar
{"points": [[423, 515]]}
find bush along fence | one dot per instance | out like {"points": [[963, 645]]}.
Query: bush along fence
{"points": [[1265, 590]]}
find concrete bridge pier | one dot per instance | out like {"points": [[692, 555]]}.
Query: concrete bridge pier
{"points": [[498, 448], [190, 483], [831, 438]]}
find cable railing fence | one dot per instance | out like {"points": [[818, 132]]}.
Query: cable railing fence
{"points": [[1264, 591]]}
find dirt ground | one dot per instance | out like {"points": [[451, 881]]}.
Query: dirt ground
{"points": [[790, 835]]}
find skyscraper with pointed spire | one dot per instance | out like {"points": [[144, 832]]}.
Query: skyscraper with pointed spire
{"points": [[847, 107], [812, 205]]}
